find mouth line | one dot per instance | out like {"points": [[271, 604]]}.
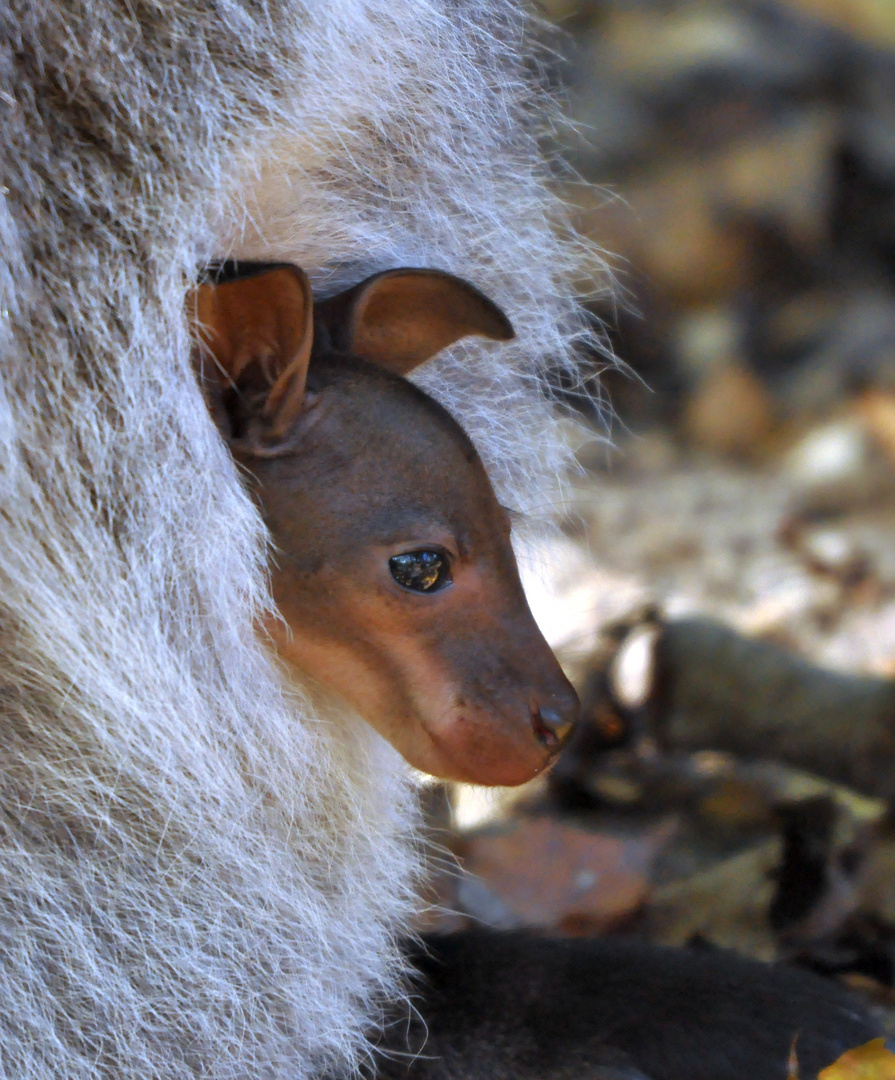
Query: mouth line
{"points": [[538, 755]]}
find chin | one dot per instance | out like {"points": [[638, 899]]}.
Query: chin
{"points": [[468, 768]]}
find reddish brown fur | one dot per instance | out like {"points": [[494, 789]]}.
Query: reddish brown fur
{"points": [[459, 680]]}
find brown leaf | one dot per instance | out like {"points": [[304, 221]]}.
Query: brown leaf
{"points": [[552, 874], [869, 1062], [730, 413]]}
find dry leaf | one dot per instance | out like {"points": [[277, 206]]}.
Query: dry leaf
{"points": [[869, 1062], [553, 874]]}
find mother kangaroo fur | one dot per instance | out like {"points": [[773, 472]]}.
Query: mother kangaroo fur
{"points": [[201, 872]]}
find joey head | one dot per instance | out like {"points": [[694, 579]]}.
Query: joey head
{"points": [[393, 570]]}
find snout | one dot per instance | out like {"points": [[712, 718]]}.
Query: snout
{"points": [[509, 741]]}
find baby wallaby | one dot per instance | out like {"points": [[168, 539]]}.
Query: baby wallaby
{"points": [[397, 586], [394, 572]]}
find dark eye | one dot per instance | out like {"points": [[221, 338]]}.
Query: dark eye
{"points": [[421, 571]]}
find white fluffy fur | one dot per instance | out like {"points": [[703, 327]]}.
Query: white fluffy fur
{"points": [[200, 874]]}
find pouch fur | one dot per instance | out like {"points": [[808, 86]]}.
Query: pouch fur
{"points": [[200, 873]]}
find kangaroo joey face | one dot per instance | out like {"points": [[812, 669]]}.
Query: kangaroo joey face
{"points": [[397, 583], [393, 570]]}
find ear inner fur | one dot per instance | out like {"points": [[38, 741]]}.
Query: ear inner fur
{"points": [[287, 392], [401, 318], [265, 319]]}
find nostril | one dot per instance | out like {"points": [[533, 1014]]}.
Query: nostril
{"points": [[550, 729]]}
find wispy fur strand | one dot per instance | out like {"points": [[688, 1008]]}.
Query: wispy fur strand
{"points": [[200, 873]]}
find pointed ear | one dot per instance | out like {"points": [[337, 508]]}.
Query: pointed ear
{"points": [[401, 318], [254, 337]]}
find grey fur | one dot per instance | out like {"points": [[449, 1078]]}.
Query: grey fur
{"points": [[202, 873]]}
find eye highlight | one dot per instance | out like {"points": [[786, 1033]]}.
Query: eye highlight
{"points": [[421, 571]]}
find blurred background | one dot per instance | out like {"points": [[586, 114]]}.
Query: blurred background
{"points": [[745, 157], [724, 590]]}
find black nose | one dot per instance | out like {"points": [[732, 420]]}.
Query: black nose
{"points": [[552, 728]]}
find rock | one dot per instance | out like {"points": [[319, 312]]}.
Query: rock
{"points": [[832, 453]]}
